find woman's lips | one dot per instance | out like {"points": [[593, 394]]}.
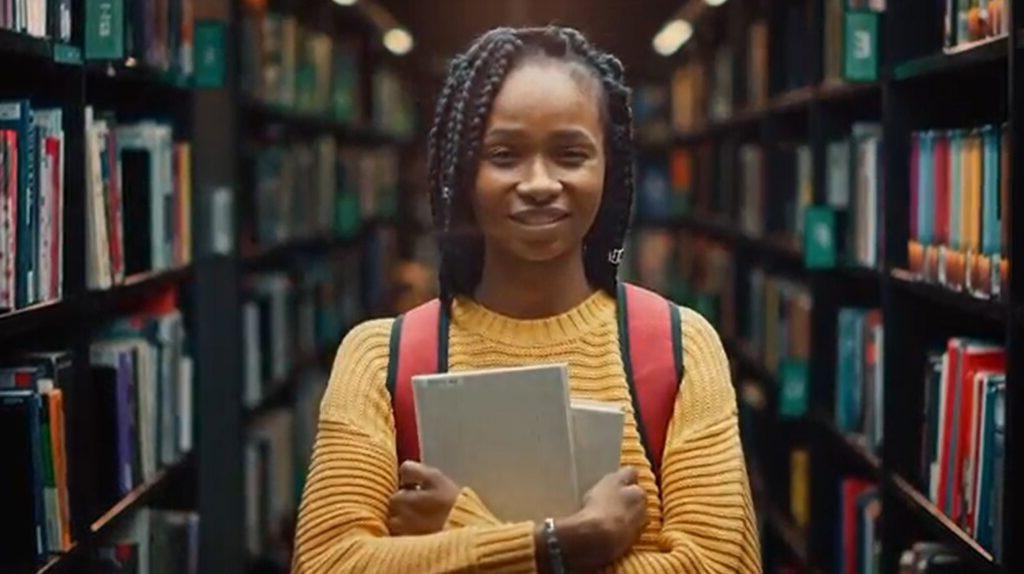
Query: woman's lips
{"points": [[539, 217]]}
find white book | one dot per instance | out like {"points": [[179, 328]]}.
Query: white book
{"points": [[506, 434], [185, 378], [45, 231], [253, 390], [97, 252], [597, 441]]}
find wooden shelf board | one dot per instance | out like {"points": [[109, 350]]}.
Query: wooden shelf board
{"points": [[139, 496], [998, 311], [943, 63], [853, 450], [941, 525], [317, 123], [281, 390], [24, 45]]}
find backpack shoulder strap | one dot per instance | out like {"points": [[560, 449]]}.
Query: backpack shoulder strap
{"points": [[651, 344], [419, 346]]}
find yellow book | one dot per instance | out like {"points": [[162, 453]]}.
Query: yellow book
{"points": [[800, 487]]}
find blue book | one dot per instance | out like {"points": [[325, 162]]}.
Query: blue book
{"points": [[849, 372], [17, 116], [994, 394], [127, 434], [991, 230], [926, 189], [29, 406]]}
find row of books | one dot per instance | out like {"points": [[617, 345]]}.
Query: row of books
{"points": [[854, 180], [288, 320], [971, 21], [35, 477], [860, 381], [964, 436], [860, 506], [287, 64], [141, 394], [307, 190], [157, 34], [39, 18], [959, 201], [151, 541], [142, 376], [138, 199], [31, 204], [278, 448], [778, 326]]}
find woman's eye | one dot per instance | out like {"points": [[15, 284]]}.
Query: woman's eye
{"points": [[501, 156], [573, 156]]}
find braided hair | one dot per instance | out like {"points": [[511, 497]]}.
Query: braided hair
{"points": [[463, 107]]}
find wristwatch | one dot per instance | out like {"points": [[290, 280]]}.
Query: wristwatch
{"points": [[554, 548]]}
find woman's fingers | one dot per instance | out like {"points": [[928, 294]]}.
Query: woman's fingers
{"points": [[412, 474]]}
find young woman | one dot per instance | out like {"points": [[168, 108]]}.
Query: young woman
{"points": [[531, 183]]}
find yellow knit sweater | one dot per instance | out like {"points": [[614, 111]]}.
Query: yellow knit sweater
{"points": [[702, 522]]}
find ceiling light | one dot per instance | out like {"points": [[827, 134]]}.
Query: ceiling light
{"points": [[398, 41], [715, 2], [345, 2], [672, 37]]}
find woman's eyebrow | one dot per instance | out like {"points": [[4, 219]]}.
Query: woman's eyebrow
{"points": [[573, 135]]}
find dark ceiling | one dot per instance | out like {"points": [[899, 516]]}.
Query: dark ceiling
{"points": [[624, 27]]}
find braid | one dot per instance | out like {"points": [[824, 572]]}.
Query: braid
{"points": [[465, 103]]}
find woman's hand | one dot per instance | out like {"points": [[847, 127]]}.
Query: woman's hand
{"points": [[613, 516], [423, 502]]}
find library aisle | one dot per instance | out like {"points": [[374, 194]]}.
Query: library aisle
{"points": [[200, 198]]}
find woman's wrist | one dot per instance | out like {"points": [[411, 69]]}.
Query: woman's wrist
{"points": [[579, 544]]}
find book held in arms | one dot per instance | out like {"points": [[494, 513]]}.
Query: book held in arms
{"points": [[31, 205], [138, 199], [35, 479], [143, 379], [38, 18], [860, 387], [151, 541], [489, 429], [959, 201], [964, 437]]}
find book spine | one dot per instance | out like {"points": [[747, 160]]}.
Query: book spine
{"points": [[104, 30]]}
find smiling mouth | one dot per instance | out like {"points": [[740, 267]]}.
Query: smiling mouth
{"points": [[539, 217]]}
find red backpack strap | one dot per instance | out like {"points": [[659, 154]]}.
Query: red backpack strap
{"points": [[419, 346], [651, 344]]}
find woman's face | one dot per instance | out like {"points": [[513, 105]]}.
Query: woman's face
{"points": [[542, 163]]}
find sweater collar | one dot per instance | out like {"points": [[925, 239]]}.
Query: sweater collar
{"points": [[594, 311]]}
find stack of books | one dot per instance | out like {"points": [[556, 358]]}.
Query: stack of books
{"points": [[156, 34], [860, 383], [143, 379], [138, 199], [860, 548], [39, 18], [32, 198], [35, 477], [964, 437], [959, 201], [151, 540]]}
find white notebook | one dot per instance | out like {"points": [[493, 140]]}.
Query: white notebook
{"points": [[597, 441], [504, 433]]}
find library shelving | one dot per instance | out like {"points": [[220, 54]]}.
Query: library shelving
{"points": [[917, 81]]}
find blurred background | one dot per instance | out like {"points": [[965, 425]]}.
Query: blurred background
{"points": [[198, 198]]}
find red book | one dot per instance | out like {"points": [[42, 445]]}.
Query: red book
{"points": [[976, 357], [851, 490], [115, 209], [950, 377], [9, 271], [942, 189], [53, 149]]}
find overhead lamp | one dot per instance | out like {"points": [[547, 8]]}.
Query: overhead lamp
{"points": [[715, 2], [672, 37], [346, 2], [398, 41]]}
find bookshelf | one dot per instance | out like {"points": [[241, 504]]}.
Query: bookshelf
{"points": [[919, 86]]}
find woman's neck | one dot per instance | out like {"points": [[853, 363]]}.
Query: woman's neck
{"points": [[532, 290]]}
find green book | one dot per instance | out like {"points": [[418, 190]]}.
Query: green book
{"points": [[820, 250], [793, 397], [210, 59], [348, 217], [861, 57], [104, 30]]}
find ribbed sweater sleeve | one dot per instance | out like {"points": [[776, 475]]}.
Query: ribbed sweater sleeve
{"points": [[706, 505], [343, 517]]}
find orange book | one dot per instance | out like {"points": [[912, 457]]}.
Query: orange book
{"points": [[55, 400], [973, 187]]}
